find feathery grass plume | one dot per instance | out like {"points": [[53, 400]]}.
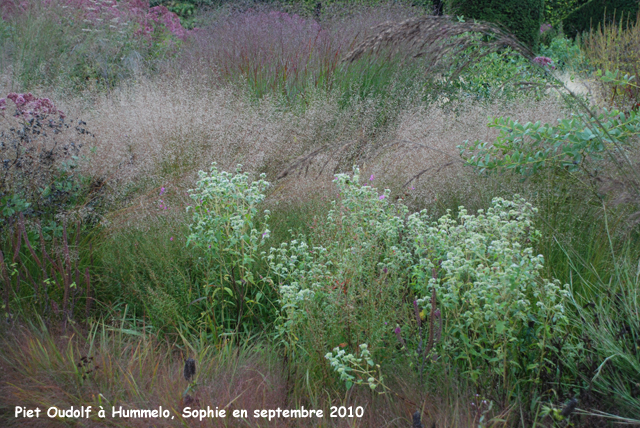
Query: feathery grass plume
{"points": [[437, 41], [437, 38]]}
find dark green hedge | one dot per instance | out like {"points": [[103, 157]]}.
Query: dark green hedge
{"points": [[593, 13], [521, 17]]}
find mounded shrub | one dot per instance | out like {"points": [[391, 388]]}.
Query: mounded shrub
{"points": [[521, 17]]}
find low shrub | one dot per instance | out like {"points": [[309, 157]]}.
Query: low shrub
{"points": [[343, 287]]}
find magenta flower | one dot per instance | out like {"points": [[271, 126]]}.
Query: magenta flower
{"points": [[162, 190], [544, 62], [545, 27], [29, 105], [371, 178], [171, 239], [382, 197]]}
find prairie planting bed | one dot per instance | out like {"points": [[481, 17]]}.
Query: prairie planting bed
{"points": [[380, 215]]}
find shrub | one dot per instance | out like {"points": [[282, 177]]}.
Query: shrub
{"points": [[522, 18], [572, 144], [498, 314], [495, 76], [600, 12], [565, 54]]}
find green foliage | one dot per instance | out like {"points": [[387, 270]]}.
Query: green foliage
{"points": [[566, 54], [527, 148], [555, 11], [606, 315], [499, 314], [522, 18], [150, 272], [225, 227], [496, 76], [596, 12], [353, 370], [185, 9]]}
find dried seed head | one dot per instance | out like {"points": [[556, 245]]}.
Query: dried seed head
{"points": [[189, 369], [416, 420], [569, 408]]}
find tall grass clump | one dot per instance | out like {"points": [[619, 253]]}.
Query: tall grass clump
{"points": [[616, 48], [274, 53], [147, 269]]}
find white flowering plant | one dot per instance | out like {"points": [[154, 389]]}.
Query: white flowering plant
{"points": [[228, 226], [496, 317], [356, 369], [344, 290], [499, 314]]}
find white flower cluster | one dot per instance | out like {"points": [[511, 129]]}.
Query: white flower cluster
{"points": [[352, 369], [225, 211], [494, 299]]}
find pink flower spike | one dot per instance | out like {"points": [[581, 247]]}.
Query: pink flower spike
{"points": [[171, 239], [371, 178], [162, 190]]}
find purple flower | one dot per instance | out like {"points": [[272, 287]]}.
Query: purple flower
{"points": [[545, 27], [371, 178], [416, 309], [382, 197], [162, 190], [384, 270], [171, 239]]}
